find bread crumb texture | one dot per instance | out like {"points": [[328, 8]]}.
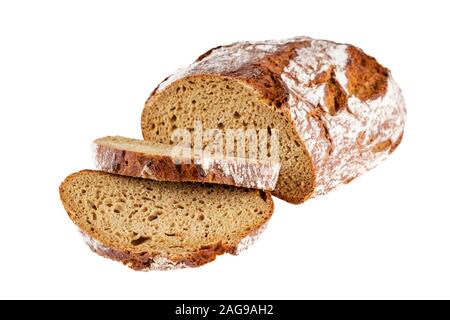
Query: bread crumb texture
{"points": [[151, 225]]}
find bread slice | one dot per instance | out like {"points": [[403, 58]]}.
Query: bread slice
{"points": [[337, 110], [151, 225], [145, 159]]}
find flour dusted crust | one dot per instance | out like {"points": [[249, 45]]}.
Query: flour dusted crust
{"points": [[156, 263], [249, 240], [161, 263], [353, 140], [248, 173], [345, 107]]}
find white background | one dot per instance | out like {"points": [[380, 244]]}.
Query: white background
{"points": [[72, 71]]}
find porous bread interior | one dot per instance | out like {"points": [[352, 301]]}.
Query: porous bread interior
{"points": [[162, 218], [228, 103]]}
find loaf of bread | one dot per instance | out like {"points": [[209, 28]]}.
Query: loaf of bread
{"points": [[337, 110], [333, 111], [144, 159], [152, 225]]}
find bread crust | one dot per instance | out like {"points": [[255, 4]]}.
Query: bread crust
{"points": [[345, 107], [147, 261], [246, 173]]}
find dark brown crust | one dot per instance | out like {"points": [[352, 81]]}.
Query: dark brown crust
{"points": [[141, 261], [164, 168], [265, 74], [155, 167], [145, 260], [207, 53], [367, 79], [387, 145], [317, 113], [335, 97], [396, 143]]}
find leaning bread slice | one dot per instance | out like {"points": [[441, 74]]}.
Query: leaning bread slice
{"points": [[157, 161], [151, 225]]}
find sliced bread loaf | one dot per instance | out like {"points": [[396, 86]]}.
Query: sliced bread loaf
{"points": [[337, 110], [145, 159], [150, 225]]}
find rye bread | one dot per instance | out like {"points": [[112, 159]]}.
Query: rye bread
{"points": [[338, 111], [152, 160], [153, 225]]}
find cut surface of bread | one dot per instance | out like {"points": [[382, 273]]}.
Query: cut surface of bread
{"points": [[225, 102], [149, 224], [157, 161], [337, 111]]}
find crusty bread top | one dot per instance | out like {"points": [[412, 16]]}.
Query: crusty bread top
{"points": [[157, 161], [143, 222]]}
